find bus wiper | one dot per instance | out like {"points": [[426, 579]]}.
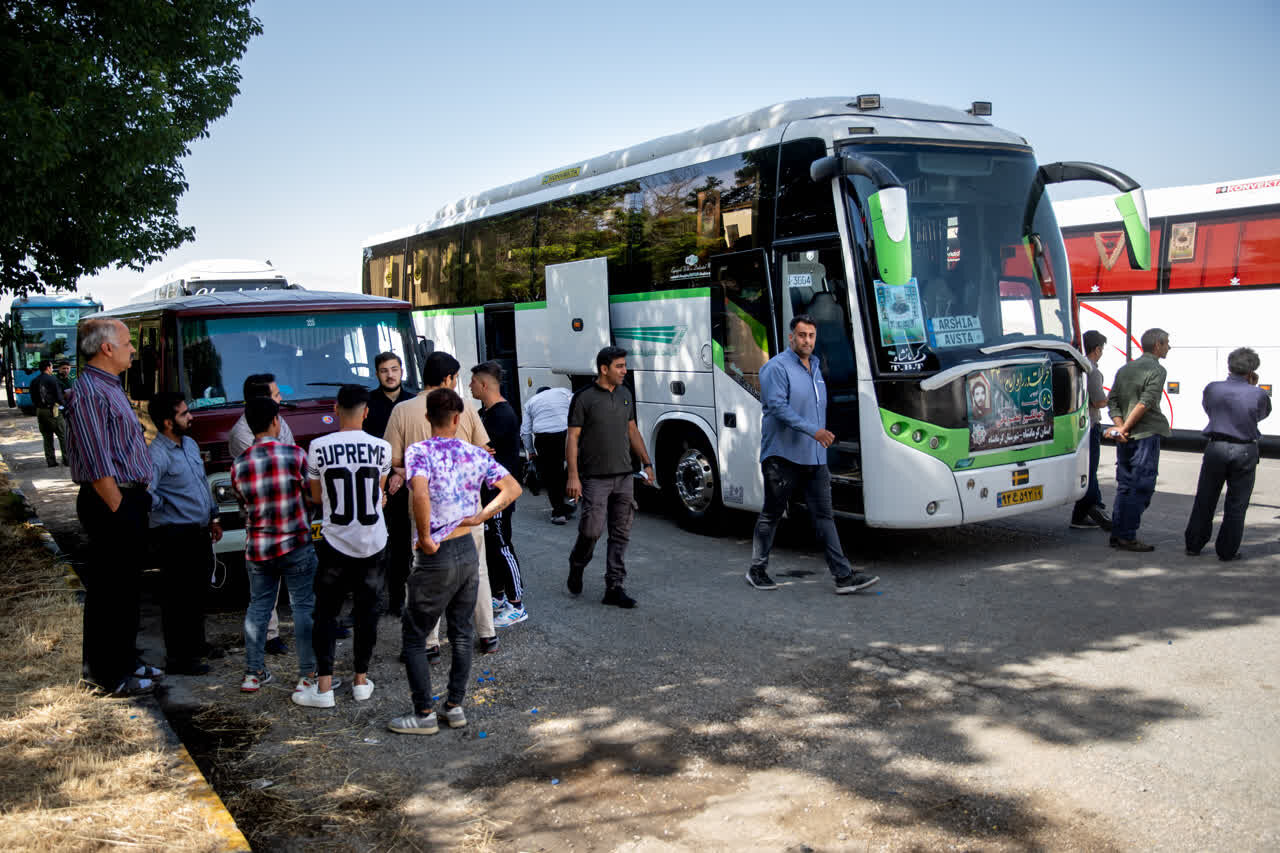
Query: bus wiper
{"points": [[1041, 343]]}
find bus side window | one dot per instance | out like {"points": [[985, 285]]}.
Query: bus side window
{"points": [[741, 316]]}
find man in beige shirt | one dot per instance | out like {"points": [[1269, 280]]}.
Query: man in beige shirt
{"points": [[408, 425]]}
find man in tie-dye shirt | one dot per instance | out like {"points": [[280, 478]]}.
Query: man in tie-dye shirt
{"points": [[445, 475]]}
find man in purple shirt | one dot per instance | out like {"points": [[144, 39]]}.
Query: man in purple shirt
{"points": [[110, 462], [1234, 407]]}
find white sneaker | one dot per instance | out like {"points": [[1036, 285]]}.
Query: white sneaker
{"points": [[362, 692], [312, 698], [454, 717], [510, 616], [311, 682]]}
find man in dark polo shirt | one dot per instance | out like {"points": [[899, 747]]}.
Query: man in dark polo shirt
{"points": [[602, 436], [398, 555], [110, 462], [1234, 407]]}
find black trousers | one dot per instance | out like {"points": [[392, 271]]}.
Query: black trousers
{"points": [[184, 553], [1236, 466], [337, 575], [397, 557], [550, 449], [111, 574], [500, 555]]}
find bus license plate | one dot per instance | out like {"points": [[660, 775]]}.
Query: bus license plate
{"points": [[1020, 496], [315, 530]]}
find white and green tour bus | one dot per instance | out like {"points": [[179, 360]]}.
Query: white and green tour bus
{"points": [[919, 238]]}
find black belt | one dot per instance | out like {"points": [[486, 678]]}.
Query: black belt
{"points": [[1229, 439], [123, 486]]}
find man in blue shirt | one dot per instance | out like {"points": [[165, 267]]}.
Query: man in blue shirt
{"points": [[793, 455], [184, 526], [1234, 407]]}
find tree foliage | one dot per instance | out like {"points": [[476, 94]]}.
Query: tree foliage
{"points": [[99, 102]]}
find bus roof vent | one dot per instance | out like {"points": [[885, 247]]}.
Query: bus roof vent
{"points": [[980, 108], [866, 102]]}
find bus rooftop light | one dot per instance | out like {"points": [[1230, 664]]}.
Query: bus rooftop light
{"points": [[868, 102], [980, 108]]}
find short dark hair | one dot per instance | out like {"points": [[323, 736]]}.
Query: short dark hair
{"points": [[608, 356], [489, 368], [164, 406], [385, 356], [1092, 340], [258, 385], [542, 388], [803, 318], [1243, 361], [43, 365], [439, 367], [442, 405], [260, 412], [62, 362], [352, 398]]}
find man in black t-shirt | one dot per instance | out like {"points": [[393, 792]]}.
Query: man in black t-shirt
{"points": [[503, 425], [602, 437], [46, 394], [397, 557]]}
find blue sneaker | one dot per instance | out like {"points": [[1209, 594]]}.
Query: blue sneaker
{"points": [[510, 616]]}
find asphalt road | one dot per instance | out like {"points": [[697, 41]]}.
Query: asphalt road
{"points": [[1014, 685]]}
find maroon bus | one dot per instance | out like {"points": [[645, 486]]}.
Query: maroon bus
{"points": [[205, 346]]}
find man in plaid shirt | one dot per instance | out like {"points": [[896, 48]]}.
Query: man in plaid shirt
{"points": [[269, 479]]}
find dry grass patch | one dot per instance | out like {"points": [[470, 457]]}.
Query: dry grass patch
{"points": [[76, 772]]}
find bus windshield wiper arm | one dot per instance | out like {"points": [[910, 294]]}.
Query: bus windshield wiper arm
{"points": [[1041, 343]]}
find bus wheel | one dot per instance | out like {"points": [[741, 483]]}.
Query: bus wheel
{"points": [[693, 484]]}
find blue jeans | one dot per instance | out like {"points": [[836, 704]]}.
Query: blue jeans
{"points": [[298, 569], [781, 479], [1137, 464], [1093, 494], [445, 582]]}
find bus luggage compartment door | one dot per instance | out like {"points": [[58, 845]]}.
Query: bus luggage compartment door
{"points": [[578, 305]]}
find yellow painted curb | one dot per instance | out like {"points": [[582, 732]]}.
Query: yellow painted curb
{"points": [[215, 811]]}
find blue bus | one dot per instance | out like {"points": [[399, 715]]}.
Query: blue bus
{"points": [[44, 328]]}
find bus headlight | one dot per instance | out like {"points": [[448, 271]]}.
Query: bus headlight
{"points": [[931, 507], [896, 429], [223, 493], [917, 436], [934, 442]]}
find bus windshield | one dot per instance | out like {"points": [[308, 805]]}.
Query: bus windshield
{"points": [[979, 280], [48, 333], [311, 355]]}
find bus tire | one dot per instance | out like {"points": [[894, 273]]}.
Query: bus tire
{"points": [[691, 480]]}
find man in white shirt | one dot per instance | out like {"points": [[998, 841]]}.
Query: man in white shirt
{"points": [[256, 385], [546, 423], [238, 441], [346, 471]]}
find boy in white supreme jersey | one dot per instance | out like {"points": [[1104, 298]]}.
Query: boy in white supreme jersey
{"points": [[346, 471]]}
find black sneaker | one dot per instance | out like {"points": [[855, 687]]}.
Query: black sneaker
{"points": [[276, 646], [618, 597], [574, 583], [855, 582], [760, 579], [559, 519], [487, 645], [1135, 545], [1100, 517], [1084, 523], [433, 654]]}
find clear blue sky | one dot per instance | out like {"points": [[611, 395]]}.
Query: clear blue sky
{"points": [[355, 119]]}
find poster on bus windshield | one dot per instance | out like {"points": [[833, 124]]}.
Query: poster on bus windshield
{"points": [[1010, 406]]}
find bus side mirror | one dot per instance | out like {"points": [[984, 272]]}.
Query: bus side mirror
{"points": [[1137, 227], [886, 209]]}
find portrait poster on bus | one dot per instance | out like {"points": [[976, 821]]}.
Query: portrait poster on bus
{"points": [[901, 317], [1010, 406]]}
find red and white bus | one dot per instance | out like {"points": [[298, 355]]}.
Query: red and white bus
{"points": [[1214, 285]]}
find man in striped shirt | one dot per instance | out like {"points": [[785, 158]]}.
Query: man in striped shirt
{"points": [[269, 478], [110, 462]]}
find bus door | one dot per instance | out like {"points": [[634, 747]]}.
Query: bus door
{"points": [[812, 279], [743, 339], [1112, 316], [500, 346]]}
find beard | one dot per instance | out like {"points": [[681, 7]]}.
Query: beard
{"points": [[391, 389]]}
